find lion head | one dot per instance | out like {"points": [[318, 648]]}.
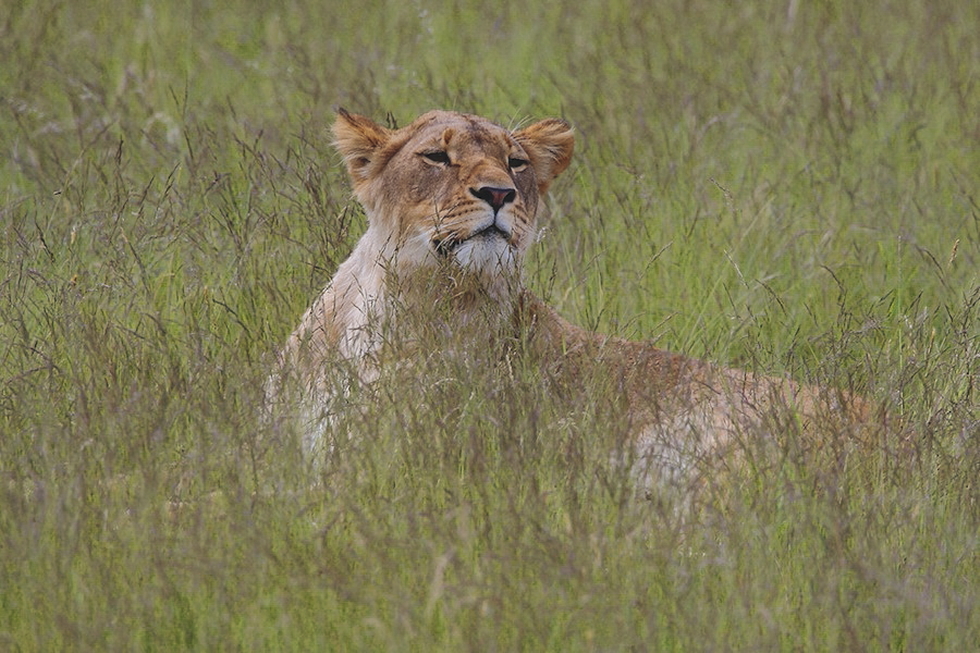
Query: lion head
{"points": [[452, 187]]}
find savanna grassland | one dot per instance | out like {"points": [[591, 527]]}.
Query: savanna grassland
{"points": [[791, 187]]}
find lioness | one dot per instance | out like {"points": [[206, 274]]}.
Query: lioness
{"points": [[451, 202]]}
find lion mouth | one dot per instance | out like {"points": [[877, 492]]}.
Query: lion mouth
{"points": [[446, 246]]}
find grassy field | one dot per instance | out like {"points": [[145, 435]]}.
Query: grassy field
{"points": [[785, 186]]}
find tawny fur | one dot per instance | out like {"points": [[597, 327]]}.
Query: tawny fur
{"points": [[451, 201]]}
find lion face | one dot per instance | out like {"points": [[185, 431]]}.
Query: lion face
{"points": [[453, 187]]}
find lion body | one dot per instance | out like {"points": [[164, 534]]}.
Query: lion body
{"points": [[451, 201]]}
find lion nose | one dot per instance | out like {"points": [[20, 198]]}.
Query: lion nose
{"points": [[495, 197]]}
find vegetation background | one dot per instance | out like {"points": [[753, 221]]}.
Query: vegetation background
{"points": [[780, 185]]}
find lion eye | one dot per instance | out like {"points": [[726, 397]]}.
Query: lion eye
{"points": [[516, 164], [436, 156]]}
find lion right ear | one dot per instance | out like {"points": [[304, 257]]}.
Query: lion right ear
{"points": [[359, 139], [549, 145]]}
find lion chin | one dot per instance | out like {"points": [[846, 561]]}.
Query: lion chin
{"points": [[452, 202], [486, 254]]}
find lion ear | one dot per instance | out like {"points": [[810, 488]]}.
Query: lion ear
{"points": [[359, 139], [549, 145]]}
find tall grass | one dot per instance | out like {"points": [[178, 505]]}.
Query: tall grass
{"points": [[784, 186]]}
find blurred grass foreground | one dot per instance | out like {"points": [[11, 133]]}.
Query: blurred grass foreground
{"points": [[784, 186]]}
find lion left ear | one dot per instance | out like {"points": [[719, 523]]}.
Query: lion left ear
{"points": [[549, 145], [358, 139]]}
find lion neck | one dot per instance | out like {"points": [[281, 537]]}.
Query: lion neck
{"points": [[384, 296]]}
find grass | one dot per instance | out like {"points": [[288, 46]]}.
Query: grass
{"points": [[777, 185]]}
